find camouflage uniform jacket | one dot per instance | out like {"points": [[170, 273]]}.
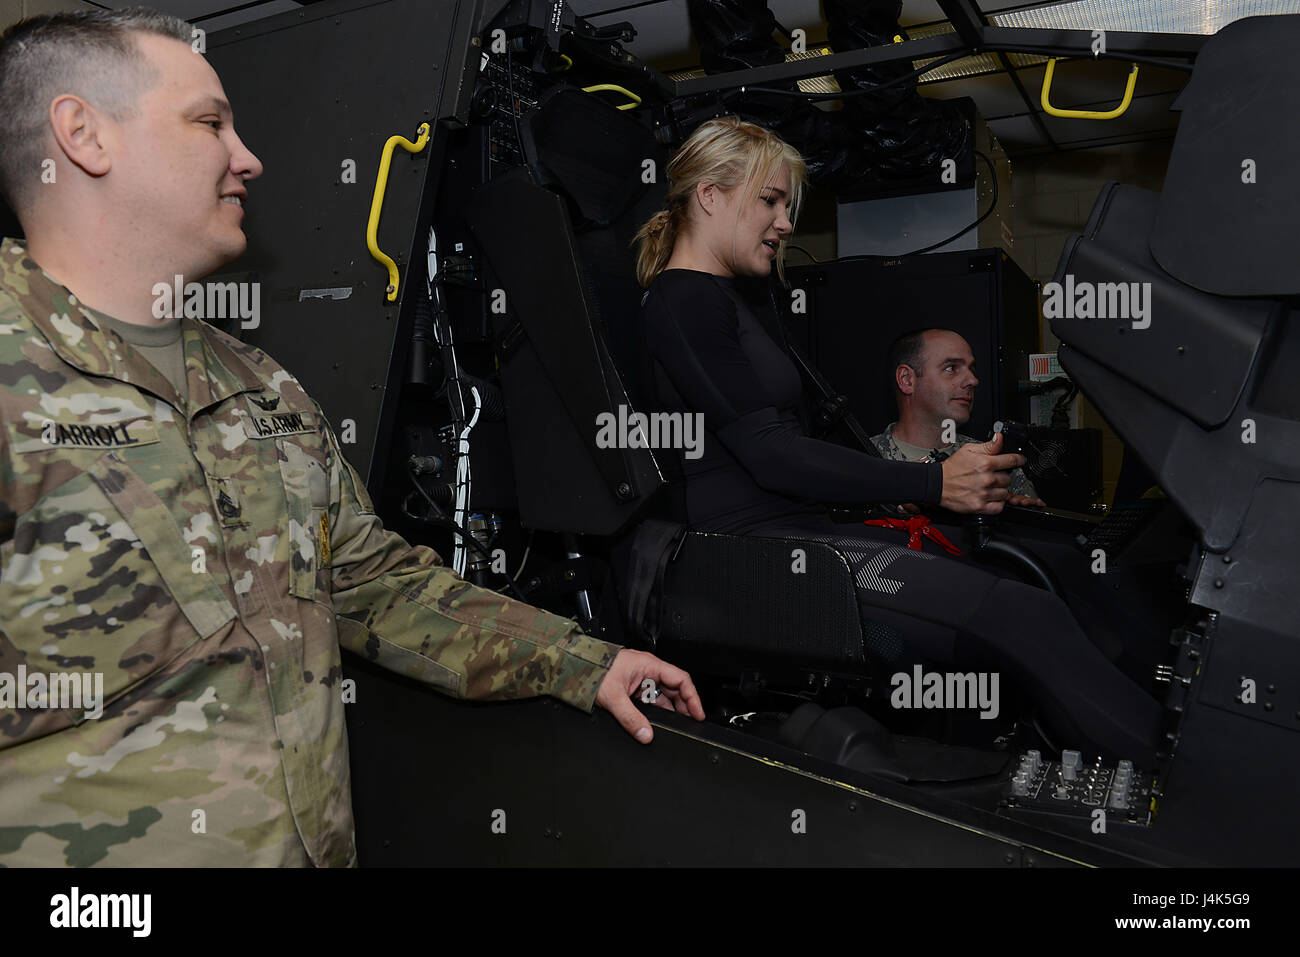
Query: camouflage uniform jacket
{"points": [[209, 563], [888, 448]]}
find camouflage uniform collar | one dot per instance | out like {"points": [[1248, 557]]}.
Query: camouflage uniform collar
{"points": [[894, 440], [893, 450], [78, 338], [949, 448]]}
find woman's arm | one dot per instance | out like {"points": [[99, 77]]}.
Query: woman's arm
{"points": [[693, 332]]}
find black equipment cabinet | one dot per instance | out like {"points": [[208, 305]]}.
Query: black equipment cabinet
{"points": [[854, 309]]}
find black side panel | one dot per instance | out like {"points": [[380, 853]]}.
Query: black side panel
{"points": [[1204, 396], [567, 789], [1198, 349]]}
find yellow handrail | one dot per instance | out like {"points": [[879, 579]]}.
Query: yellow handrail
{"points": [[377, 203], [636, 100], [1087, 114]]}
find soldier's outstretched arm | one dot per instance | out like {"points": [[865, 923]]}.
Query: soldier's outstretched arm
{"points": [[399, 606]]}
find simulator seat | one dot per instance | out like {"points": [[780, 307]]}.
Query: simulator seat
{"points": [[556, 235], [732, 594]]}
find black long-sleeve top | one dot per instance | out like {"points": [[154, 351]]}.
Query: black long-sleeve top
{"points": [[708, 353]]}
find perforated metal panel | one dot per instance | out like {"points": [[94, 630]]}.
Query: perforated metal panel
{"points": [[743, 593]]}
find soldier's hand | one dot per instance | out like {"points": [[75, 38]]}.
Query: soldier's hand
{"points": [[1024, 500], [976, 476], [629, 669]]}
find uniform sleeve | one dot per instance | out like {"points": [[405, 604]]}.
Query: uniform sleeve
{"points": [[400, 607], [697, 343]]}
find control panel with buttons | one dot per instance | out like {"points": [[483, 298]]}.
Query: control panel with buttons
{"points": [[1074, 788]]}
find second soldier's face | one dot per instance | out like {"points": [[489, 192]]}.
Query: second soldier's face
{"points": [[181, 165], [946, 388]]}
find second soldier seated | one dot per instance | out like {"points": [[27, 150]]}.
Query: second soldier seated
{"points": [[934, 386]]}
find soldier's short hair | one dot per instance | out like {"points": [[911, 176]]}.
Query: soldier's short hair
{"points": [[906, 350], [90, 53]]}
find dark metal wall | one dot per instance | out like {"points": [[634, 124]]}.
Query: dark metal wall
{"points": [[311, 90]]}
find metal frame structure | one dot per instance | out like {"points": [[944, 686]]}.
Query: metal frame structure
{"points": [[972, 37]]}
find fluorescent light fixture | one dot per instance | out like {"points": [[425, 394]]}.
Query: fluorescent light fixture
{"points": [[1203, 17]]}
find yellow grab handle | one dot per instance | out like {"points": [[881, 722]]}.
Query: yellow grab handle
{"points": [[377, 203], [1087, 114], [636, 100]]}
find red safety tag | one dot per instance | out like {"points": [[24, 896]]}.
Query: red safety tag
{"points": [[916, 526]]}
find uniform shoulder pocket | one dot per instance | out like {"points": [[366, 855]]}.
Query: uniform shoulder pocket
{"points": [[306, 493]]}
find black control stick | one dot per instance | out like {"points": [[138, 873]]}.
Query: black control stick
{"points": [[1015, 438]]}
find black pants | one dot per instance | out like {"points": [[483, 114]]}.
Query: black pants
{"points": [[975, 617]]}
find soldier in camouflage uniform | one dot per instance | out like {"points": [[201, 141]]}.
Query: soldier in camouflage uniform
{"points": [[934, 380], [176, 516]]}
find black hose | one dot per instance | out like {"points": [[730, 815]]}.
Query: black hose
{"points": [[1026, 561], [492, 403], [422, 342]]}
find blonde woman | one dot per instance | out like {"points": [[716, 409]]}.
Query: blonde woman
{"points": [[734, 194]]}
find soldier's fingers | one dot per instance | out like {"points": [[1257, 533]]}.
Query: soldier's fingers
{"points": [[632, 720], [684, 708], [680, 682], [1024, 500], [678, 704]]}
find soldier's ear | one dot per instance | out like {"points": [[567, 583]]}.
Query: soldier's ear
{"points": [[905, 379], [79, 132]]}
